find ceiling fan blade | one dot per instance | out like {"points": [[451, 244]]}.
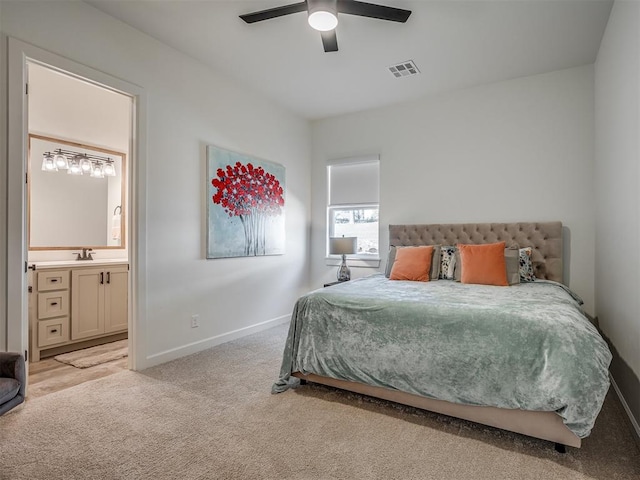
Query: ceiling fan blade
{"points": [[329, 41], [363, 9], [274, 12]]}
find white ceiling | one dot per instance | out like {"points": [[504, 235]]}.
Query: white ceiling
{"points": [[455, 44]]}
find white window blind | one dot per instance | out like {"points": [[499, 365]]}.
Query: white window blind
{"points": [[354, 183]]}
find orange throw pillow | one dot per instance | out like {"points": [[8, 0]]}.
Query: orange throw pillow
{"points": [[412, 263], [483, 264]]}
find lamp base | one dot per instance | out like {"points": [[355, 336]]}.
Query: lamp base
{"points": [[344, 274]]}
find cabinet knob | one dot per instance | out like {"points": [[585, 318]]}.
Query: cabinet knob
{"points": [[54, 280], [53, 303], [54, 330]]}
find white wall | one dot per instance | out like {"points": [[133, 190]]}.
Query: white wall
{"points": [[189, 106], [64, 107], [519, 150], [617, 174]]}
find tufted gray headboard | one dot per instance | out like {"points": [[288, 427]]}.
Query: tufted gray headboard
{"points": [[545, 238]]}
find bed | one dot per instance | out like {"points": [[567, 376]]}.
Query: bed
{"points": [[522, 358]]}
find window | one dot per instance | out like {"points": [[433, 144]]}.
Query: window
{"points": [[360, 222], [353, 208]]}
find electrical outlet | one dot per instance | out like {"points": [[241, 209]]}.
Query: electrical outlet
{"points": [[195, 321]]}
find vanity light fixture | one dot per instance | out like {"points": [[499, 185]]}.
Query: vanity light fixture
{"points": [[97, 171], [109, 169], [74, 167], [48, 163], [61, 161], [85, 163], [78, 163]]}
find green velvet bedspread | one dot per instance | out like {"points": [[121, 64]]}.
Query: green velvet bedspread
{"points": [[527, 346]]}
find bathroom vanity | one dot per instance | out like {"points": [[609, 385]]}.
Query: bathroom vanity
{"points": [[76, 305], [79, 277]]}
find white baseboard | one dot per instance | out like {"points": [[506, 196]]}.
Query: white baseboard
{"points": [[625, 405], [195, 347]]}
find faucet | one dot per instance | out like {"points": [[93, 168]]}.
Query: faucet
{"points": [[86, 254]]}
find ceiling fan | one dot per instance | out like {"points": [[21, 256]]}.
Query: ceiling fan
{"points": [[323, 15]]}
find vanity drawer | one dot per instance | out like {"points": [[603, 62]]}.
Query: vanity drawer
{"points": [[54, 280], [53, 331], [53, 304]]}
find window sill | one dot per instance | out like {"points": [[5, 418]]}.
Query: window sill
{"points": [[354, 262]]}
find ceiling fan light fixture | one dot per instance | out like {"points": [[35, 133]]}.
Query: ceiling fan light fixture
{"points": [[323, 14], [323, 20]]}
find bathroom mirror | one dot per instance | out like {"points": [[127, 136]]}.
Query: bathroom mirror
{"points": [[70, 209]]}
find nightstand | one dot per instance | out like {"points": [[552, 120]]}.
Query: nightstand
{"points": [[333, 283]]}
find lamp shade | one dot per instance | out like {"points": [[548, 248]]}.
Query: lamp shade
{"points": [[343, 245]]}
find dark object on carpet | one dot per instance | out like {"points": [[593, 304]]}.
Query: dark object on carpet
{"points": [[12, 380]]}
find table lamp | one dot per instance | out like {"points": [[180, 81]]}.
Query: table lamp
{"points": [[343, 246]]}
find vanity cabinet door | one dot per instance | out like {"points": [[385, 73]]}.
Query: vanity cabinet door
{"points": [[116, 299], [87, 302]]}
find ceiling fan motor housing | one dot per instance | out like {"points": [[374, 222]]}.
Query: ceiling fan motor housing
{"points": [[324, 5]]}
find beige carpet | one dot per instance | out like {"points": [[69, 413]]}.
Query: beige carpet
{"points": [[90, 357], [211, 416]]}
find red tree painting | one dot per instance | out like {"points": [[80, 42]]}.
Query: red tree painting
{"points": [[251, 194]]}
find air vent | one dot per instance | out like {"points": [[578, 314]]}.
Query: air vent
{"points": [[404, 69]]}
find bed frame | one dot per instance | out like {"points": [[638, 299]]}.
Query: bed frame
{"points": [[546, 240]]}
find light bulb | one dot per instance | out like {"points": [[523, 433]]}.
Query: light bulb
{"points": [[322, 20], [61, 161], [109, 170], [74, 167], [48, 164], [97, 171], [85, 164], [45, 160]]}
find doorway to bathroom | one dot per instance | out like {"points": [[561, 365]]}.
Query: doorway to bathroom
{"points": [[75, 222], [77, 211]]}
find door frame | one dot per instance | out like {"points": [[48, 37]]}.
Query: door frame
{"points": [[17, 251]]}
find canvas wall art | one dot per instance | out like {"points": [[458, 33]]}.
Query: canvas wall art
{"points": [[245, 205]]}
